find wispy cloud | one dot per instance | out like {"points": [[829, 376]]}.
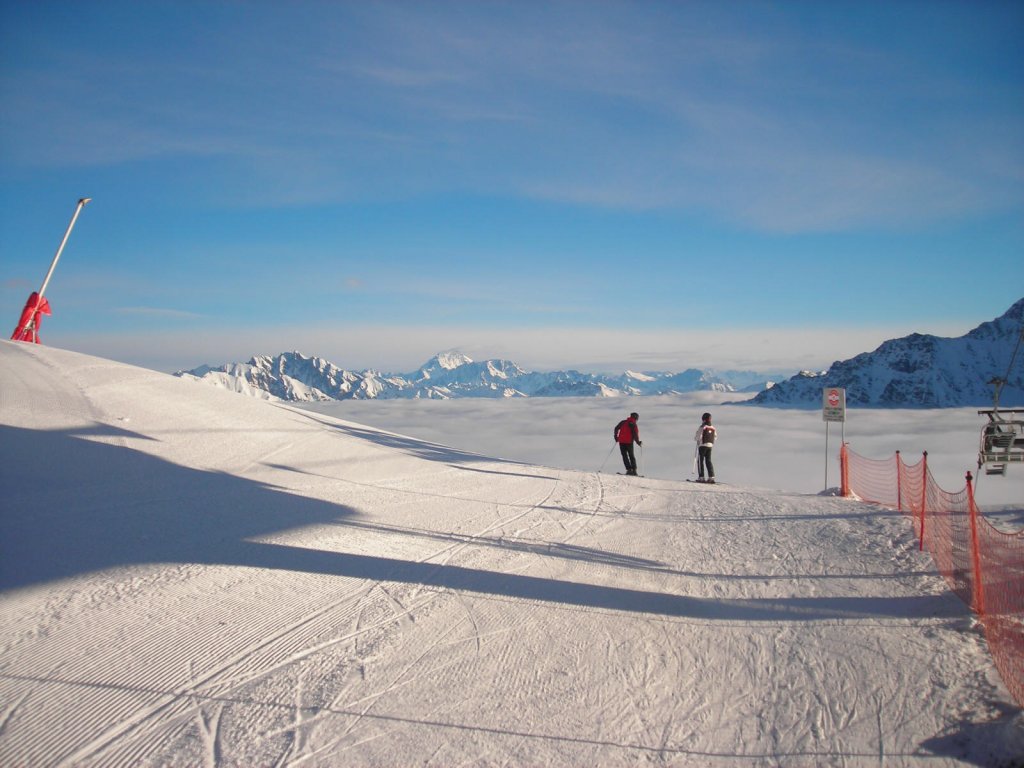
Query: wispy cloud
{"points": [[589, 105], [158, 312], [577, 184], [16, 285]]}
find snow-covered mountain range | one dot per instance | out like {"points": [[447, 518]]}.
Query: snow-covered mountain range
{"points": [[916, 371], [295, 377], [921, 371]]}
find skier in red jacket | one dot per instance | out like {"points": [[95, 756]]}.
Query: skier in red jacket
{"points": [[626, 433]]}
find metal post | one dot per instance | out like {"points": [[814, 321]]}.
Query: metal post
{"points": [[844, 470], [979, 589], [899, 482], [67, 234], [826, 457], [31, 327], [924, 493]]}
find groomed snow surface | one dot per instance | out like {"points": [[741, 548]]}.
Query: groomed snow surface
{"points": [[192, 577]]}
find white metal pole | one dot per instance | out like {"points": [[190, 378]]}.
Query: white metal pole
{"points": [[67, 234], [31, 327], [826, 456]]}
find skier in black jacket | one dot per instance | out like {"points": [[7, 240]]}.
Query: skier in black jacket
{"points": [[626, 433], [705, 438]]}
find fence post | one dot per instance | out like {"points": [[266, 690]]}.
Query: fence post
{"points": [[899, 482], [844, 472], [924, 493], [979, 590]]}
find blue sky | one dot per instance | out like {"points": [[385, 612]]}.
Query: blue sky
{"points": [[597, 185]]}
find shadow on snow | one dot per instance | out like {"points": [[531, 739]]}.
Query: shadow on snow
{"points": [[130, 508]]}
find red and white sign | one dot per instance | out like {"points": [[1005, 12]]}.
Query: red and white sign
{"points": [[833, 404]]}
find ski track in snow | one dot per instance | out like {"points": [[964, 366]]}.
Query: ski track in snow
{"points": [[364, 598]]}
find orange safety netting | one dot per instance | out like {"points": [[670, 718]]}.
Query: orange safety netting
{"points": [[982, 564]]}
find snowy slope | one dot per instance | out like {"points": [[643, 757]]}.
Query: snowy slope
{"points": [[921, 371], [194, 578]]}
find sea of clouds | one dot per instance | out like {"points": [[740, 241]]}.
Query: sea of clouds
{"points": [[773, 448]]}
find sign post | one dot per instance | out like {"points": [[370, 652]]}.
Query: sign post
{"points": [[833, 408]]}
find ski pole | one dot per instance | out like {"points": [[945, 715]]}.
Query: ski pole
{"points": [[641, 459], [606, 459]]}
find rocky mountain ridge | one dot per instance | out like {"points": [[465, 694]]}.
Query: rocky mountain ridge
{"points": [[921, 371]]}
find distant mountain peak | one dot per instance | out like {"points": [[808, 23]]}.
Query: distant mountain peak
{"points": [[450, 360], [919, 371], [639, 376]]}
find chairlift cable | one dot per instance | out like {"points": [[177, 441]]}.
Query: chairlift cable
{"points": [[999, 382]]}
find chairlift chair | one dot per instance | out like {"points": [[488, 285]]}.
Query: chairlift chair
{"points": [[1002, 438], [1002, 441]]}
